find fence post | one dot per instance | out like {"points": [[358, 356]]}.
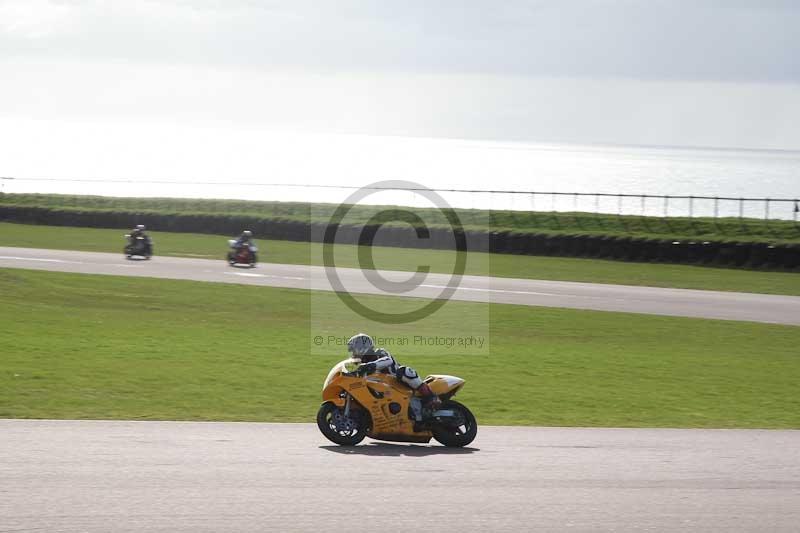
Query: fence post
{"points": [[716, 207], [3, 182], [666, 206], [597, 209], [691, 206], [741, 208], [643, 197]]}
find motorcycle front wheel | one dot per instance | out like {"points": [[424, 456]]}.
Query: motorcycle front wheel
{"points": [[458, 431], [338, 429]]}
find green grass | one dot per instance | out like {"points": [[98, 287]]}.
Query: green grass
{"points": [[105, 347], [579, 223], [530, 267]]}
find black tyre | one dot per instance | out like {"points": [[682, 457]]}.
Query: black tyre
{"points": [[458, 431], [337, 429]]}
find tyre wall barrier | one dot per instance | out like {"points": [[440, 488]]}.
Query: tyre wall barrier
{"points": [[728, 254]]}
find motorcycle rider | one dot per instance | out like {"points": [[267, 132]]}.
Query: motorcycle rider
{"points": [[379, 360], [244, 239], [138, 231]]}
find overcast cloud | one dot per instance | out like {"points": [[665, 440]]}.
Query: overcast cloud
{"points": [[720, 73], [653, 39]]}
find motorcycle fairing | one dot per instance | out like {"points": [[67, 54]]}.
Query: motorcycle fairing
{"points": [[377, 394]]}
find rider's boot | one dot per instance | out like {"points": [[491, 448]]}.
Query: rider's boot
{"points": [[429, 399]]}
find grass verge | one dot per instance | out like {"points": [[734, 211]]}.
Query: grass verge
{"points": [[514, 266], [103, 347]]}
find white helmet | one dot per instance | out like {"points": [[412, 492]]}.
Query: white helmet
{"points": [[140, 227], [360, 344], [247, 233]]}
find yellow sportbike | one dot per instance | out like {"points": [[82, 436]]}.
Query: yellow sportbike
{"points": [[381, 407]]}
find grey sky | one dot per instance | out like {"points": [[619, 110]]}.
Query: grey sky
{"points": [[653, 39], [647, 72]]}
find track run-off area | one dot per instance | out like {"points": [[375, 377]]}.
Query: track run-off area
{"points": [[774, 309], [98, 476]]}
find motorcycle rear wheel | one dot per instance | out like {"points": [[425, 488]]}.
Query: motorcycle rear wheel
{"points": [[326, 421], [456, 433]]}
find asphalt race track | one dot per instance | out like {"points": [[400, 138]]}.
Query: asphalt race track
{"points": [[98, 476], [649, 300]]}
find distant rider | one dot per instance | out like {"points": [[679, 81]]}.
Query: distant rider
{"points": [[245, 239], [136, 233], [379, 360]]}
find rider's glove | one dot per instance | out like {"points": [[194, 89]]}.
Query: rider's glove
{"points": [[365, 368]]}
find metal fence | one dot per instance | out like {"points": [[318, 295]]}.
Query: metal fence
{"points": [[666, 205], [648, 205], [651, 205]]}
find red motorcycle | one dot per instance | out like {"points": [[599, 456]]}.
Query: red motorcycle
{"points": [[242, 253]]}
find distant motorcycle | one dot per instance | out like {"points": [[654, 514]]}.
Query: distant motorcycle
{"points": [[139, 246], [242, 254]]}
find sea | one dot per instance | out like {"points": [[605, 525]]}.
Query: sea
{"points": [[221, 162]]}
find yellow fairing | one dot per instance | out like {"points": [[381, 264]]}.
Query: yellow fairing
{"points": [[331, 389], [443, 385], [386, 399]]}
